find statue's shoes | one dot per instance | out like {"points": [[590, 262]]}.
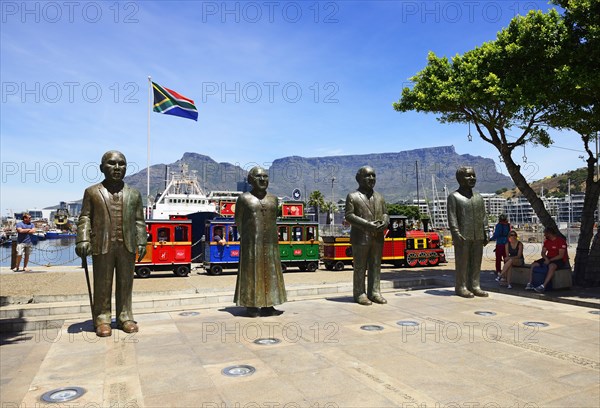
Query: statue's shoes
{"points": [[363, 300], [464, 293], [270, 311], [103, 330], [129, 326], [378, 299], [480, 293], [252, 311]]}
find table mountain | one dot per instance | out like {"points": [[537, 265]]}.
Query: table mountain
{"points": [[396, 173]]}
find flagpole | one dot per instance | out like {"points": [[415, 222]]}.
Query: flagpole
{"points": [[148, 149]]}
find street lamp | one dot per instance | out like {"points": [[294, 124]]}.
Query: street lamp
{"points": [[332, 208]]}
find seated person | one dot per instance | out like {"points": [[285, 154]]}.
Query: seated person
{"points": [[554, 254], [163, 235], [218, 236], [514, 257]]}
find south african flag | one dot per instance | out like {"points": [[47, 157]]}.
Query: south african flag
{"points": [[170, 102]]}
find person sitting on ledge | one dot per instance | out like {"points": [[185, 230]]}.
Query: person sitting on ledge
{"points": [[514, 257], [554, 254]]}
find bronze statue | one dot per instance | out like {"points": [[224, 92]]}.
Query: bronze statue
{"points": [[260, 278], [367, 213], [469, 229], [111, 228]]}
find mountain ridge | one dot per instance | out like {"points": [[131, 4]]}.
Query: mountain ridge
{"points": [[335, 175]]}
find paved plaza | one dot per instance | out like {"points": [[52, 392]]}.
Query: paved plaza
{"points": [[513, 349], [445, 355]]}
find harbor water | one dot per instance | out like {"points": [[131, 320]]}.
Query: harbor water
{"points": [[49, 252]]}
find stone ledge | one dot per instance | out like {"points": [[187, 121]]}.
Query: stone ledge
{"points": [[562, 278]]}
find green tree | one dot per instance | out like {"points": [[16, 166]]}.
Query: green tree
{"points": [[317, 201], [330, 208], [503, 86], [410, 211], [578, 109]]}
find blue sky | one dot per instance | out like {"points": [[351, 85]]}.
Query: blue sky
{"points": [[270, 79]]}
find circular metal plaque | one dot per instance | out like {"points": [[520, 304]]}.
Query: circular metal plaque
{"points": [[267, 341], [189, 313], [403, 294], [595, 312], [536, 324], [63, 394], [407, 323], [238, 371], [485, 313], [371, 327]]}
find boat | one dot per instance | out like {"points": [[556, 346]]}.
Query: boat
{"points": [[183, 197], [40, 235], [56, 233], [61, 219]]}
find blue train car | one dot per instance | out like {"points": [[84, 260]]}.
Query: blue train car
{"points": [[221, 246]]}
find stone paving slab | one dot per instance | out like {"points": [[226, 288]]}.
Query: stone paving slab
{"points": [[450, 357]]}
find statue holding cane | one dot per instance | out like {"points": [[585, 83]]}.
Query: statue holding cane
{"points": [[111, 228]]}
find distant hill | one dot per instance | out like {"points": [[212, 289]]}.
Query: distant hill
{"points": [[396, 173], [556, 185]]}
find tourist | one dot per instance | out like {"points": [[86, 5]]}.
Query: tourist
{"points": [[501, 237], [554, 255], [25, 231], [514, 257]]}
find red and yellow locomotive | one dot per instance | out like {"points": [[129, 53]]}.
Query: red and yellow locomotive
{"points": [[400, 248]]}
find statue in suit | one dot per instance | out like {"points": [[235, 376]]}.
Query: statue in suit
{"points": [[469, 229], [260, 278], [111, 228], [367, 214]]}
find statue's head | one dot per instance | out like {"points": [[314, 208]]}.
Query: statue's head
{"points": [[258, 178], [113, 165], [366, 178], [465, 175]]}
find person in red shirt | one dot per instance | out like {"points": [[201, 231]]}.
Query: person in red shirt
{"points": [[554, 254]]}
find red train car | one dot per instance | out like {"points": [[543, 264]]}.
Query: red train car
{"points": [[169, 248], [400, 248]]}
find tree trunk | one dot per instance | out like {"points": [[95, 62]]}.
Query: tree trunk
{"points": [[587, 260], [514, 170]]}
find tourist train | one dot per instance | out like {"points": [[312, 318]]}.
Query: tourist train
{"points": [[401, 247], [170, 243]]}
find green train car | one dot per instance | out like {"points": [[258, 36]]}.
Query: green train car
{"points": [[298, 244]]}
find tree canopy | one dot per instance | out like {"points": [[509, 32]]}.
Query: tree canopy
{"points": [[539, 72], [503, 86]]}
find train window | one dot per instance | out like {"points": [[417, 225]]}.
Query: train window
{"points": [[310, 233], [232, 233], [283, 233], [218, 233], [164, 235], [297, 233], [181, 233]]}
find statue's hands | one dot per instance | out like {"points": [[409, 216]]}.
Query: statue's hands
{"points": [[380, 225], [141, 252], [83, 249]]}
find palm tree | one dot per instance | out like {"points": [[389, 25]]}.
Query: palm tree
{"points": [[317, 201]]}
